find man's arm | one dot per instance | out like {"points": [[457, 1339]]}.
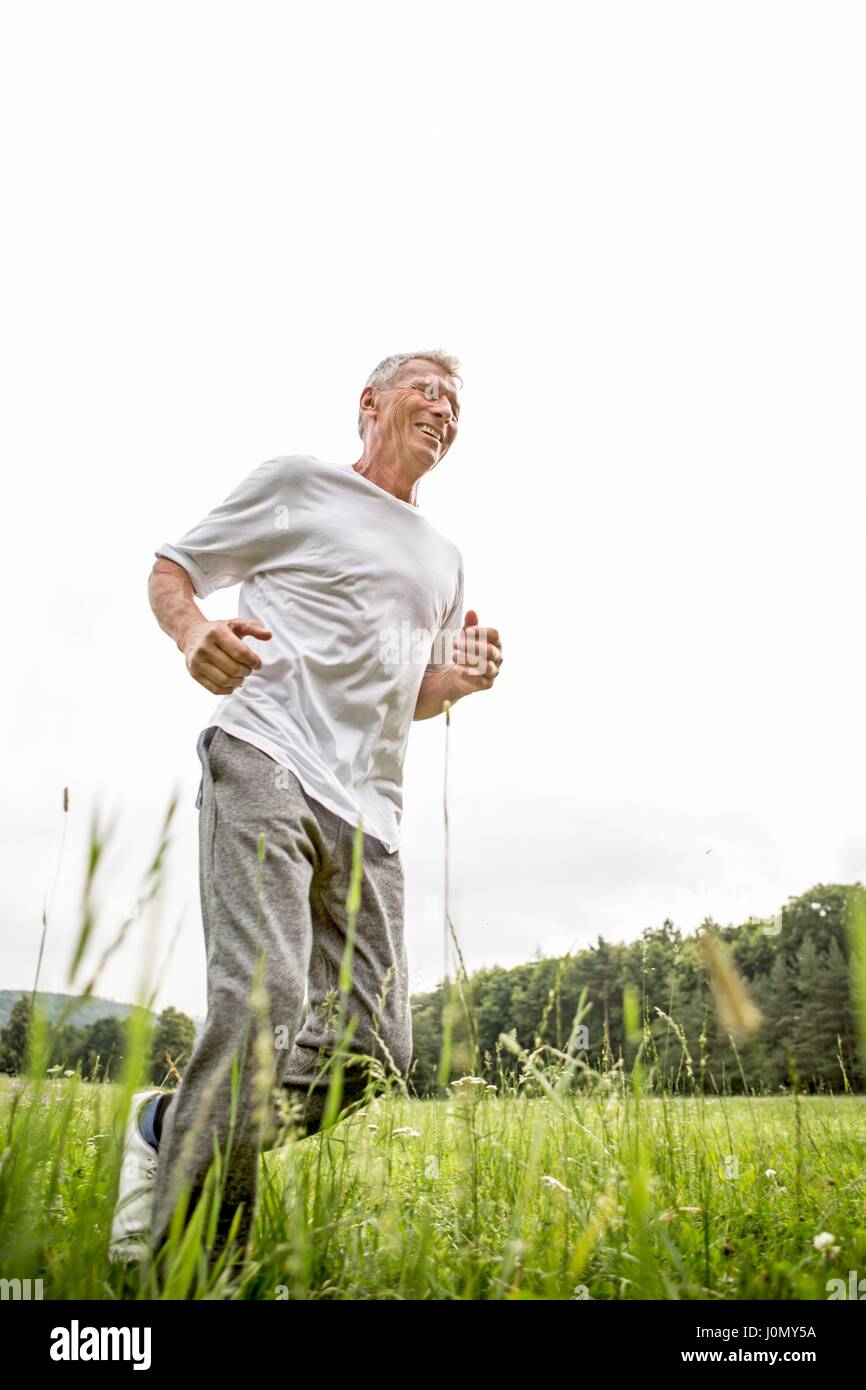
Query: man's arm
{"points": [[215, 655], [477, 659], [436, 688]]}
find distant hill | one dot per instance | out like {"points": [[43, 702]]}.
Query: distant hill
{"points": [[83, 1012]]}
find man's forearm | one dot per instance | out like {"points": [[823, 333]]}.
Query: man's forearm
{"points": [[436, 688], [172, 599]]}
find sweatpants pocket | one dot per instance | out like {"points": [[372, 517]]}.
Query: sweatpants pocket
{"points": [[205, 739]]}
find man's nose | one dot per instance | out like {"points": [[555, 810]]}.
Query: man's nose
{"points": [[444, 408]]}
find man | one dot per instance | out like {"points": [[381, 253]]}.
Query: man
{"points": [[350, 602]]}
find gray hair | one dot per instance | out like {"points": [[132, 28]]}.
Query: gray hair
{"points": [[386, 370]]}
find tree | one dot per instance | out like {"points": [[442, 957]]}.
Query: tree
{"points": [[819, 914], [67, 1045], [15, 1038], [171, 1046], [779, 1000], [830, 1015], [103, 1049]]}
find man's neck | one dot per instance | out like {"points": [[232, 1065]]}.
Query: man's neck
{"points": [[387, 474]]}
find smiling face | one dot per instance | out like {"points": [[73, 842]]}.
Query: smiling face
{"points": [[416, 416]]}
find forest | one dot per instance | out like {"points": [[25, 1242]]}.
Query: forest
{"points": [[794, 967]]}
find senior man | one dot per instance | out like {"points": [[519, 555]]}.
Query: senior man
{"points": [[348, 628]]}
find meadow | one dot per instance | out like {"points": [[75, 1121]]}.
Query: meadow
{"points": [[547, 1179], [609, 1194]]}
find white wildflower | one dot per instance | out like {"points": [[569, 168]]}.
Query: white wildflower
{"points": [[555, 1183]]}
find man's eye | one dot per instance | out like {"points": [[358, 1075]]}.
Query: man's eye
{"points": [[431, 391]]}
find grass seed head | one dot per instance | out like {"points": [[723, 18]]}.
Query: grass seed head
{"points": [[737, 1012]]}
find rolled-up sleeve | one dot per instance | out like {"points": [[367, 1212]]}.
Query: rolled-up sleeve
{"points": [[200, 582]]}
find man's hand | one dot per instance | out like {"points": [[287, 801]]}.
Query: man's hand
{"points": [[215, 655], [477, 657]]}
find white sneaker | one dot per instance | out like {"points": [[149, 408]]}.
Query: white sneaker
{"points": [[130, 1230]]}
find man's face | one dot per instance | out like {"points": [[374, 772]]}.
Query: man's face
{"points": [[417, 413]]}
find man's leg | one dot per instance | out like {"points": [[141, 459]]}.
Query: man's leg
{"points": [[382, 1030], [249, 904]]}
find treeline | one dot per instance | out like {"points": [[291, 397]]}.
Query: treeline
{"points": [[97, 1050], [796, 968]]}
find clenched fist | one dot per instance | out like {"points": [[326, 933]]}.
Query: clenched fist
{"points": [[215, 655], [477, 656]]}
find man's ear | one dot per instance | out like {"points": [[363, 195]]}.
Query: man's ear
{"points": [[368, 399]]}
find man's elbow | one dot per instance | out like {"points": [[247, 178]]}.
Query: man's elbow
{"points": [[157, 570], [168, 571]]}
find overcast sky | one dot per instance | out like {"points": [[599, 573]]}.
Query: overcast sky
{"points": [[641, 229]]}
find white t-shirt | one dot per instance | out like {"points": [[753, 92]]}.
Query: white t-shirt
{"points": [[362, 595]]}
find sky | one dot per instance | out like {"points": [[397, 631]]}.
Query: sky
{"points": [[640, 228]]}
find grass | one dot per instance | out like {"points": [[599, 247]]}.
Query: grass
{"points": [[559, 1182], [606, 1195]]}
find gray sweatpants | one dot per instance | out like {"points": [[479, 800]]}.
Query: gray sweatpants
{"points": [[291, 906]]}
